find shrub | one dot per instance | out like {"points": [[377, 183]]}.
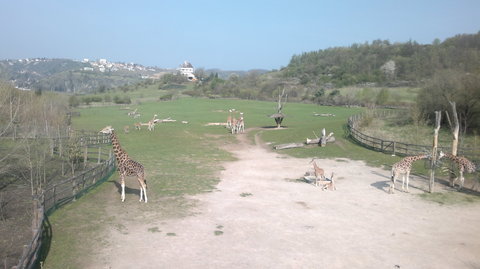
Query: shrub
{"points": [[122, 100]]}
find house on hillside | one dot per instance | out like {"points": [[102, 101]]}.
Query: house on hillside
{"points": [[187, 70]]}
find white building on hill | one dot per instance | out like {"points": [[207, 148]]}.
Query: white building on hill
{"points": [[187, 70]]}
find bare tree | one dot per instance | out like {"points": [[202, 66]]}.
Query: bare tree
{"points": [[279, 115], [438, 118], [455, 128]]}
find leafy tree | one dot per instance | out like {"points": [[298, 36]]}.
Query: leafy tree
{"points": [[73, 101], [461, 88]]}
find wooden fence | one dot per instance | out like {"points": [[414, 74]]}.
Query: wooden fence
{"points": [[63, 192], [394, 147]]}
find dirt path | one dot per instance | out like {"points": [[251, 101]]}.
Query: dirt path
{"points": [[262, 217]]}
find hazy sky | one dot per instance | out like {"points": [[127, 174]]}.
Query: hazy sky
{"points": [[231, 35]]}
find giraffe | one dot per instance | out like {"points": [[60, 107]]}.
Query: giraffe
{"points": [[229, 119], [463, 165], [241, 124], [132, 113], [319, 172], [403, 167], [127, 166], [137, 125], [151, 123], [233, 128]]}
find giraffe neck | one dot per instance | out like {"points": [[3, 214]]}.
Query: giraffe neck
{"points": [[409, 160], [451, 156], [418, 157], [117, 149]]}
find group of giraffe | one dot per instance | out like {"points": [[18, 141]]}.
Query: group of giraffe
{"points": [[235, 125], [138, 125], [320, 179], [404, 167], [129, 167]]}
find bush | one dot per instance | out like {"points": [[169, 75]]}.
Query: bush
{"points": [[73, 101], [122, 100], [166, 97], [192, 93]]}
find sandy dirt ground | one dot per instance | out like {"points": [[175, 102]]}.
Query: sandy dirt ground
{"points": [[262, 216]]}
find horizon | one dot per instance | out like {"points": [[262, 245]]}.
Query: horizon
{"points": [[215, 35]]}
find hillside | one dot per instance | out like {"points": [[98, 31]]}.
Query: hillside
{"points": [[65, 75], [381, 62]]}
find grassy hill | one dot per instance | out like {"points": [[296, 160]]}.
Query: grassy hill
{"points": [[65, 75]]}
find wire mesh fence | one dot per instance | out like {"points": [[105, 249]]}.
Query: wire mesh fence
{"points": [[65, 191]]}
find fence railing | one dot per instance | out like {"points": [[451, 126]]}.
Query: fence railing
{"points": [[395, 147], [63, 192]]}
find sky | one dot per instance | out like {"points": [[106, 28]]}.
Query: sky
{"points": [[229, 35]]}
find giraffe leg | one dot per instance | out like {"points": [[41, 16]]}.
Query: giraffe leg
{"points": [[403, 182], [392, 183], [462, 179], [123, 188], [145, 193], [408, 177], [453, 182], [143, 188]]}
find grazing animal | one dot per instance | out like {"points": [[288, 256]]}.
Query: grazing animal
{"points": [[463, 165], [126, 166], [137, 125]]}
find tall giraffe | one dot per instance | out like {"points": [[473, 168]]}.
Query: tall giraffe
{"points": [[319, 172], [152, 122], [241, 124], [463, 165], [403, 167], [127, 166], [229, 119]]}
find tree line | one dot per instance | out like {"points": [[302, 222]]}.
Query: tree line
{"points": [[385, 63]]}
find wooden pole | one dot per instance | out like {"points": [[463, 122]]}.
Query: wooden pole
{"points": [[438, 117], [85, 156]]}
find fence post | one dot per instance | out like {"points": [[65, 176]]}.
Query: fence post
{"points": [[85, 156], [52, 146], [99, 153], [394, 148], [55, 196], [60, 147], [74, 188]]}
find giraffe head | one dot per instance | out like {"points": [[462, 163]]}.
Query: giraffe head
{"points": [[107, 130]]}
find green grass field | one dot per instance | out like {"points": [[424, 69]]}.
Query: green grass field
{"points": [[185, 159]]}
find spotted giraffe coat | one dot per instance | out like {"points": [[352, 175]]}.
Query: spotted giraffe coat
{"points": [[126, 166], [403, 167]]}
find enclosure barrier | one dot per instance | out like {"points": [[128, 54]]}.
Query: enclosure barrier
{"points": [[65, 191], [394, 147]]}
